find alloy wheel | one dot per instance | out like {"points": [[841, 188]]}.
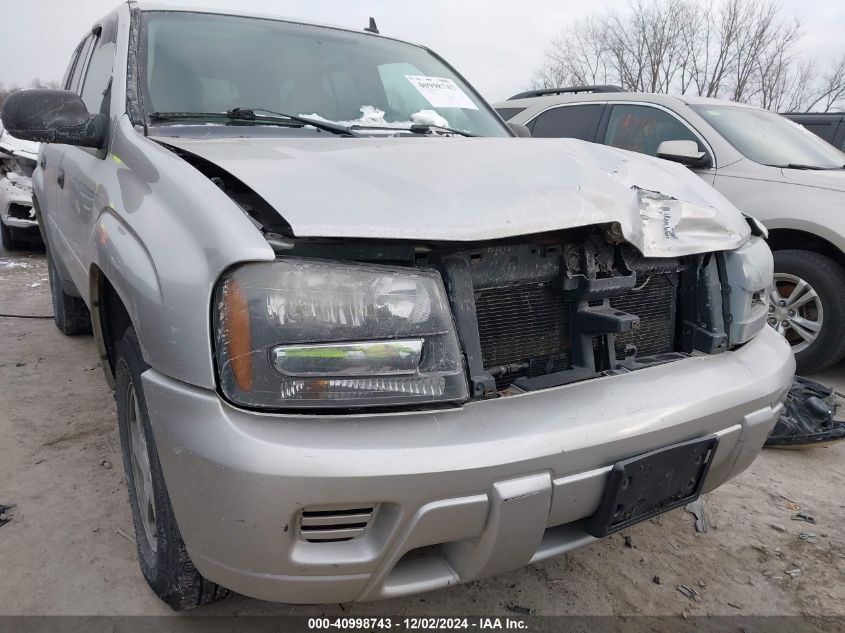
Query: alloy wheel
{"points": [[795, 311], [141, 472]]}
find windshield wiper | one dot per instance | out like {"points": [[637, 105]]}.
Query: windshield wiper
{"points": [[249, 114], [417, 128], [800, 166], [425, 128]]}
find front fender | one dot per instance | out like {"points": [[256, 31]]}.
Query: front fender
{"points": [[163, 237]]}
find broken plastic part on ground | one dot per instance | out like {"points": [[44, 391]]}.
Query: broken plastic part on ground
{"points": [[812, 415]]}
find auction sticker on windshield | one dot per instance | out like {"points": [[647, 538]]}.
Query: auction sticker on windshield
{"points": [[441, 92]]}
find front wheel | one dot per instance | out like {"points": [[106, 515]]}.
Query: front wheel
{"points": [[7, 239], [807, 307], [70, 314], [164, 561]]}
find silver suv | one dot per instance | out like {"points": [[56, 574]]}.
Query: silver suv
{"points": [[769, 167], [359, 352]]}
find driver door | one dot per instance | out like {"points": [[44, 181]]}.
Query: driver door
{"points": [[82, 169]]}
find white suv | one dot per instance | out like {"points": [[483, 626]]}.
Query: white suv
{"points": [[769, 167]]}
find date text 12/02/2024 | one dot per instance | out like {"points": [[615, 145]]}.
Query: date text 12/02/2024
{"points": [[420, 623]]}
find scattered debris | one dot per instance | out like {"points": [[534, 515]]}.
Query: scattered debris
{"points": [[809, 416], [702, 584], [793, 506], [125, 535], [656, 580], [515, 608], [778, 528], [793, 573], [768, 573], [696, 508], [20, 363], [628, 542], [735, 605], [784, 497], [5, 517], [808, 537], [802, 516], [689, 592], [95, 529], [106, 464]]}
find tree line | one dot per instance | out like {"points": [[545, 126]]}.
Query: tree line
{"points": [[742, 50], [5, 91]]}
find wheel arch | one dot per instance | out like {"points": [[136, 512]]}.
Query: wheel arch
{"points": [[109, 320], [788, 239]]}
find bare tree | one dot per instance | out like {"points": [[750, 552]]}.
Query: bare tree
{"points": [[743, 50]]}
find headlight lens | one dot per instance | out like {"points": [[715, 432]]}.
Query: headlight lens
{"points": [[305, 333], [749, 269]]}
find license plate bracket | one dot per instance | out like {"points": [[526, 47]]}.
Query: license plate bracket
{"points": [[644, 486]]}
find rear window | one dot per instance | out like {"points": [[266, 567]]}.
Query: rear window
{"points": [[575, 121]]}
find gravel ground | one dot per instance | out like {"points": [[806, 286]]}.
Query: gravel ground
{"points": [[69, 547]]}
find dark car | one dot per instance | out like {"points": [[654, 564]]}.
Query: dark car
{"points": [[828, 125]]}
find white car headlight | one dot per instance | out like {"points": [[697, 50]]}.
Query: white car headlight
{"points": [[306, 333], [749, 271]]}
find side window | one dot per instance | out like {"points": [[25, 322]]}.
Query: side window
{"points": [[98, 77], [643, 128], [69, 72], [79, 66], [576, 121], [508, 113]]}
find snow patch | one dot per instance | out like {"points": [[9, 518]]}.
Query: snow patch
{"points": [[373, 117], [8, 263]]}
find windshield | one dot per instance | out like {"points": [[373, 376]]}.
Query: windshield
{"points": [[770, 139], [207, 63]]}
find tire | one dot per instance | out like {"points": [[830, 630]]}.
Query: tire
{"points": [[824, 313], [9, 243], [70, 314], [164, 561]]}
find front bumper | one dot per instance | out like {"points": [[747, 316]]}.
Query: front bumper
{"points": [[16, 204], [492, 486]]}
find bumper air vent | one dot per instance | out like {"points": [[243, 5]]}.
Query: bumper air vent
{"points": [[332, 525], [20, 211]]}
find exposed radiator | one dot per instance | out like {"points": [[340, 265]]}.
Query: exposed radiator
{"points": [[655, 304], [527, 324]]}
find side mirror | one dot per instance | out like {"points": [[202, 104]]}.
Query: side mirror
{"points": [[53, 116], [520, 130], [684, 152]]}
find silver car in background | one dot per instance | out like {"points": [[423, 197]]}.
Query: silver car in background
{"points": [[364, 342], [769, 167]]}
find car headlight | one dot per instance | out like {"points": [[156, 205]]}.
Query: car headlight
{"points": [[306, 333], [749, 272]]}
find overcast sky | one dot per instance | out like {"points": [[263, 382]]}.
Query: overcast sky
{"points": [[496, 44]]}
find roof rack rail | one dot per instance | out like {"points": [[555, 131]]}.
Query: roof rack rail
{"points": [[571, 90]]}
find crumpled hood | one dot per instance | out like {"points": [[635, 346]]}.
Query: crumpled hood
{"points": [[470, 189]]}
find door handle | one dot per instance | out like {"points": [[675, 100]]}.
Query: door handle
{"points": [[60, 179]]}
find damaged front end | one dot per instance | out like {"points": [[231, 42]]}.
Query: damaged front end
{"points": [[352, 324], [17, 162]]}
